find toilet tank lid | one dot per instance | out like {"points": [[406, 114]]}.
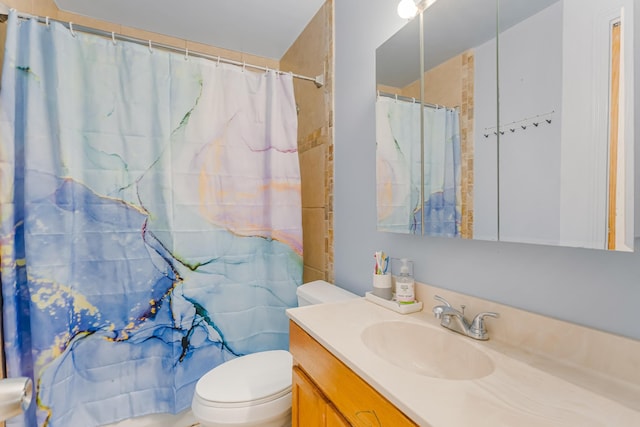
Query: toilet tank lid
{"points": [[250, 378], [320, 291]]}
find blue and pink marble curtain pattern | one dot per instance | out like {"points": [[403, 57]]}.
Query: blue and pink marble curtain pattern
{"points": [[150, 221]]}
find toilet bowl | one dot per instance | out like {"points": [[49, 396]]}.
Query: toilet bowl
{"points": [[255, 390], [252, 390]]}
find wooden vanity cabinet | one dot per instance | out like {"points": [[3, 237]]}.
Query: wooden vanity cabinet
{"points": [[326, 393], [310, 408]]}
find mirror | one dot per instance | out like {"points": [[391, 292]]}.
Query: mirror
{"points": [[554, 164], [566, 123], [398, 142], [459, 98]]}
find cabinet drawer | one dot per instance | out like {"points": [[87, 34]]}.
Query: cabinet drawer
{"points": [[360, 403]]}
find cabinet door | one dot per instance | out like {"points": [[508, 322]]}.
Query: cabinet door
{"points": [[310, 408], [358, 402], [308, 404]]}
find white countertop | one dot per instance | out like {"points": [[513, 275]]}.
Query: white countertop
{"points": [[516, 394]]}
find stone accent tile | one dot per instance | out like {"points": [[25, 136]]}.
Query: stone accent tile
{"points": [[312, 172], [313, 239], [310, 274]]}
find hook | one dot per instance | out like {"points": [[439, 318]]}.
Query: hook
{"points": [[186, 53], [244, 65], [413, 100], [512, 130], [46, 21], [71, 29], [536, 124], [486, 135], [523, 127], [218, 61], [113, 38], [548, 121], [396, 97], [150, 48], [501, 132]]}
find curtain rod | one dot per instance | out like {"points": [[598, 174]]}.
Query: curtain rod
{"points": [[411, 99], [317, 80]]}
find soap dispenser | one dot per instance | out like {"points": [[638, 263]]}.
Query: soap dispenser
{"points": [[405, 284]]}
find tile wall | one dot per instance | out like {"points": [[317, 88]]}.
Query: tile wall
{"points": [[312, 55]]}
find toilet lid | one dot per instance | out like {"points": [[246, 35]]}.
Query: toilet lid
{"points": [[256, 377]]}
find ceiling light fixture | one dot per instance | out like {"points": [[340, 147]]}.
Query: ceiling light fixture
{"points": [[407, 9]]}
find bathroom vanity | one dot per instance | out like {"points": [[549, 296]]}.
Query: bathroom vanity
{"points": [[359, 364], [327, 393]]}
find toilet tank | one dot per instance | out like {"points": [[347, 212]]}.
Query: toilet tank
{"points": [[319, 292]]}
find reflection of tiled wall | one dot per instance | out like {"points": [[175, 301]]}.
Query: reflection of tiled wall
{"points": [[312, 54], [467, 143]]}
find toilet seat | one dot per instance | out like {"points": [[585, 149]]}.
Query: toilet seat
{"points": [[248, 380], [246, 390]]}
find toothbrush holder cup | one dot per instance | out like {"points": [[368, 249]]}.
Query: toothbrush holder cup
{"points": [[382, 286]]}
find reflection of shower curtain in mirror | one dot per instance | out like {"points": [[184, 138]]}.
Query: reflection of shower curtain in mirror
{"points": [[150, 221], [397, 164], [442, 190]]}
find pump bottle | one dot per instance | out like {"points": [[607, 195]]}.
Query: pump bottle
{"points": [[405, 284]]}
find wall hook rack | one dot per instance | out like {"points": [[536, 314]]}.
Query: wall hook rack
{"points": [[521, 125]]}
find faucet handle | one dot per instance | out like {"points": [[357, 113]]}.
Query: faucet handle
{"points": [[437, 310], [477, 327], [442, 300]]}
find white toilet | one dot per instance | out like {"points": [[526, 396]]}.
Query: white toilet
{"points": [[255, 390]]}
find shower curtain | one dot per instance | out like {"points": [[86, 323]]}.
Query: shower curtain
{"points": [[442, 186], [397, 165], [150, 221]]}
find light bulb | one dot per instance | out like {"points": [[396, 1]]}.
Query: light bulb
{"points": [[407, 9]]}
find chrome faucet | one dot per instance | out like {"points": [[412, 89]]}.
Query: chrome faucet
{"points": [[454, 319]]}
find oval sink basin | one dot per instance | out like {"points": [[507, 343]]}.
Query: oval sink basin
{"points": [[427, 351]]}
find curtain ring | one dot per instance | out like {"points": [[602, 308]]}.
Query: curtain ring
{"points": [[46, 21], [150, 48], [218, 62], [244, 64], [71, 29], [113, 37], [186, 53]]}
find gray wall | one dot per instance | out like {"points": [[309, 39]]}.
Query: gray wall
{"points": [[589, 287]]}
